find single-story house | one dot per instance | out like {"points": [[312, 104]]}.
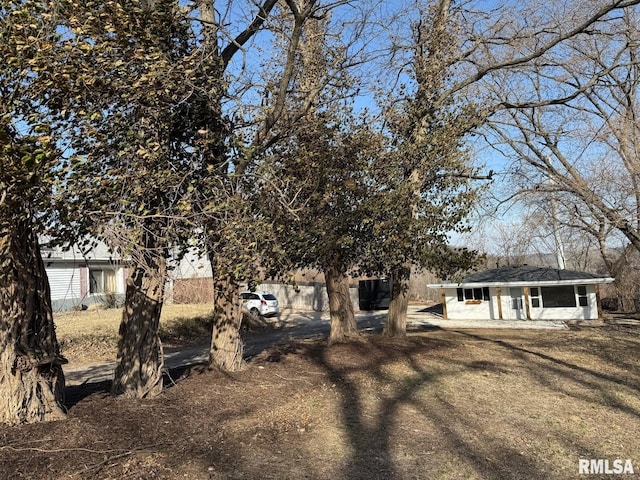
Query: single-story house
{"points": [[84, 278], [523, 292]]}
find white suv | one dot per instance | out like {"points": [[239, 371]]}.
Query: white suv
{"points": [[260, 303]]}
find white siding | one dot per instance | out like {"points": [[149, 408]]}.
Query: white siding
{"points": [[121, 280], [489, 310], [66, 289], [463, 310], [64, 281], [590, 312], [191, 265]]}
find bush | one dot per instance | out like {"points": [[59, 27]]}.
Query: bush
{"points": [[187, 330], [610, 304]]}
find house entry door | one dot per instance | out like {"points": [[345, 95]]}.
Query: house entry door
{"points": [[517, 304]]}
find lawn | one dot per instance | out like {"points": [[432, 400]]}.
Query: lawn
{"points": [[91, 336], [481, 404]]}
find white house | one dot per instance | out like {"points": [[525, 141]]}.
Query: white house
{"points": [[76, 278], [522, 292]]}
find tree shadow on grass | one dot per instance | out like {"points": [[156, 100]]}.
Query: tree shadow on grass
{"points": [[373, 394], [371, 433], [371, 430], [595, 385], [369, 436]]}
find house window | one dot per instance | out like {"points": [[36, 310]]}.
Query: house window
{"points": [[558, 296], [583, 301], [535, 297], [473, 294], [102, 281]]}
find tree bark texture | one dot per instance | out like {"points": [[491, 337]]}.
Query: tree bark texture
{"points": [[140, 362], [343, 320], [396, 325], [226, 345], [31, 376]]}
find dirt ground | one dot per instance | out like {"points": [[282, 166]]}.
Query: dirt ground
{"points": [[439, 405]]}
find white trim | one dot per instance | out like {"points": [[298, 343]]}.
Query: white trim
{"points": [[490, 310], [531, 283]]}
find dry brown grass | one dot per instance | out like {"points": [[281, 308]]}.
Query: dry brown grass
{"points": [[439, 405], [91, 336]]}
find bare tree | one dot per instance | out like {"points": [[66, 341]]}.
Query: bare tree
{"points": [[583, 148]]}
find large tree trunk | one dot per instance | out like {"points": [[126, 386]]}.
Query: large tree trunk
{"points": [[31, 377], [343, 320], [140, 362], [396, 325], [226, 345]]}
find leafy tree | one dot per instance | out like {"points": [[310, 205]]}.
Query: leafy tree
{"points": [[324, 167], [245, 239], [132, 92], [150, 166], [460, 51], [31, 377], [315, 177], [155, 130], [231, 232], [427, 191]]}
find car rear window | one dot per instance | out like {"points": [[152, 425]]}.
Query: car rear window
{"points": [[268, 296]]}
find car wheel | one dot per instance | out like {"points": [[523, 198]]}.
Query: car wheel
{"points": [[255, 312]]}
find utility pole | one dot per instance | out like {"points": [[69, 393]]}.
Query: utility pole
{"points": [[555, 226]]}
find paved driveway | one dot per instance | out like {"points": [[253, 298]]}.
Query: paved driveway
{"points": [[305, 325]]}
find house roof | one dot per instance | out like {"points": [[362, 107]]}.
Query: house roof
{"points": [[524, 275]]}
